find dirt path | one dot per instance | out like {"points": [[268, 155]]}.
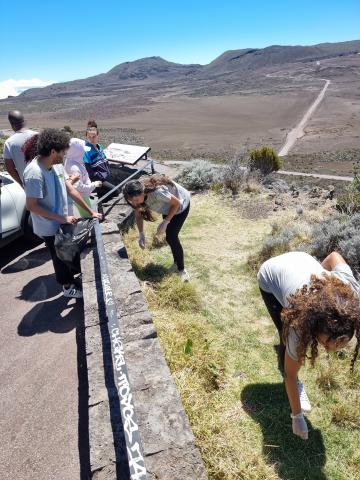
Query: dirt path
{"points": [[298, 131], [316, 175], [39, 421]]}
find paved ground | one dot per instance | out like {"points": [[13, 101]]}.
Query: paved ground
{"points": [[39, 397]]}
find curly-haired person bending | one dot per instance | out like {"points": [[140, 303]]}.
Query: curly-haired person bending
{"points": [[311, 303]]}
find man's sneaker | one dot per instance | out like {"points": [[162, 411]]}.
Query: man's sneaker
{"points": [[304, 399], [183, 275], [173, 268], [72, 292]]}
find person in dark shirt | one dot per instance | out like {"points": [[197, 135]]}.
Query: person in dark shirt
{"points": [[95, 159]]}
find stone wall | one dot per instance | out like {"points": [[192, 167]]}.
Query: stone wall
{"points": [[168, 443]]}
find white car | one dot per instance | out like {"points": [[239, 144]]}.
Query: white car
{"points": [[15, 220]]}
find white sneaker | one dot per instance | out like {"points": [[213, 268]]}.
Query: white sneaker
{"points": [[183, 275], [304, 399], [173, 268], [72, 292]]}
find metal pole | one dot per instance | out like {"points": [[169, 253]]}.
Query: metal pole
{"points": [[131, 429], [151, 162]]}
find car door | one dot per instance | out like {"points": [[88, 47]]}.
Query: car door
{"points": [[9, 218]]}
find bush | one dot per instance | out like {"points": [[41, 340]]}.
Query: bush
{"points": [[68, 129], [279, 241], [234, 175], [198, 175], [326, 236], [342, 234], [349, 201], [264, 159]]}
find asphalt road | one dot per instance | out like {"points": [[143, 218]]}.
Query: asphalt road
{"points": [[43, 414]]}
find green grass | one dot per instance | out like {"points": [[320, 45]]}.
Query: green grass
{"points": [[219, 343]]}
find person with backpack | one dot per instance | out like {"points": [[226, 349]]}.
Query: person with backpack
{"points": [[172, 201]]}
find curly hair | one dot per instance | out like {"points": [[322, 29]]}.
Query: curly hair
{"points": [[30, 148], [325, 306], [133, 188], [51, 138]]}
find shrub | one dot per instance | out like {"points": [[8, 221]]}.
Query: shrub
{"points": [[279, 241], [342, 234], [356, 181], [198, 175], [326, 236], [349, 201], [264, 159], [234, 175], [68, 129]]}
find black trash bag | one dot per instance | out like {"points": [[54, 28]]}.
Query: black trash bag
{"points": [[71, 239]]}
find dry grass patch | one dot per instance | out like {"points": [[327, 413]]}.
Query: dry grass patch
{"points": [[219, 343]]}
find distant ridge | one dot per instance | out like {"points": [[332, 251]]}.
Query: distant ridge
{"points": [[155, 70]]}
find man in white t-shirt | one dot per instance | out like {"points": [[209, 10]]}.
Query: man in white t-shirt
{"points": [[312, 303], [13, 154]]}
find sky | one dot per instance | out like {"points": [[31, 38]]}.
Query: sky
{"points": [[46, 41]]}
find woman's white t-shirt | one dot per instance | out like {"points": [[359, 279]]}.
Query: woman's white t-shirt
{"points": [[285, 274], [159, 199]]}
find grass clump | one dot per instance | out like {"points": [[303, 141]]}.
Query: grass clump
{"points": [[343, 416], [326, 381], [172, 293]]}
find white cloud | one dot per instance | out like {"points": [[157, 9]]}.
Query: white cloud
{"points": [[15, 87]]}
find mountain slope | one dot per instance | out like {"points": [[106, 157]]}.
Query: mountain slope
{"points": [[157, 71]]}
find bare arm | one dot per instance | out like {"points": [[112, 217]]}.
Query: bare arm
{"points": [[174, 207], [10, 167], [33, 206], [330, 262], [291, 370], [139, 221]]}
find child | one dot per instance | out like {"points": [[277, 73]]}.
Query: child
{"points": [[310, 304], [161, 194]]}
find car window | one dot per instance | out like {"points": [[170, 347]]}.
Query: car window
{"points": [[6, 180]]}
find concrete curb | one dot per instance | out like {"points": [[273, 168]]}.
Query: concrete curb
{"points": [[168, 443]]}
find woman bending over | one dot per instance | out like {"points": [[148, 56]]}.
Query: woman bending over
{"points": [[311, 303], [172, 201]]}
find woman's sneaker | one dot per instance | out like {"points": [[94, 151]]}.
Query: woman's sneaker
{"points": [[72, 292], [304, 399], [183, 275]]}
